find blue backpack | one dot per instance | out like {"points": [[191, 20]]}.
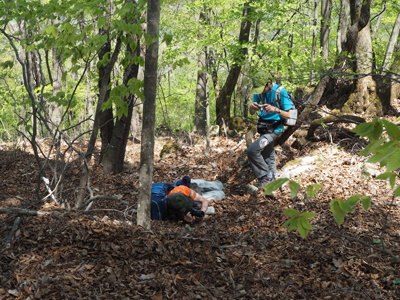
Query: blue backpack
{"points": [[159, 192]]}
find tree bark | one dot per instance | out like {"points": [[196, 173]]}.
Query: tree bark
{"points": [[200, 119], [364, 99], [223, 102], [326, 9], [149, 109], [113, 159], [314, 42], [392, 42], [341, 33]]}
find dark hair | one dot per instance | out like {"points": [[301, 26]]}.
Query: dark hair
{"points": [[178, 205]]}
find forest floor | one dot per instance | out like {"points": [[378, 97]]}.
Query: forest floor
{"points": [[240, 252]]}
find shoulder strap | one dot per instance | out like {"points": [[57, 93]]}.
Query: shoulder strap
{"points": [[278, 96], [260, 98]]}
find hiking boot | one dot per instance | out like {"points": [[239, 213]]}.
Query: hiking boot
{"points": [[263, 181]]}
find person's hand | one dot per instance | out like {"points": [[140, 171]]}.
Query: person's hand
{"points": [[189, 218], [254, 105], [270, 108]]}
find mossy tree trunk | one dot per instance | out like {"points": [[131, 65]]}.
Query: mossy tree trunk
{"points": [[364, 98]]}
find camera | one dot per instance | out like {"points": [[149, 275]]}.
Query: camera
{"points": [[197, 213], [261, 107]]}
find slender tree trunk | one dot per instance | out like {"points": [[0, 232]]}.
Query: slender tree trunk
{"points": [[392, 42], [326, 9], [113, 159], [314, 42], [149, 109], [378, 22], [341, 33], [200, 119], [223, 104]]}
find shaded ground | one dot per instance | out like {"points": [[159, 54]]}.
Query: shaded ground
{"points": [[240, 252]]}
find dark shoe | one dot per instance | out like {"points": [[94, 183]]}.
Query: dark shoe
{"points": [[263, 181]]}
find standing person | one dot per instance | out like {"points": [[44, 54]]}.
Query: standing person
{"points": [[261, 153]]}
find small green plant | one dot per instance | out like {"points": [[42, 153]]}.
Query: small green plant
{"points": [[384, 150]]}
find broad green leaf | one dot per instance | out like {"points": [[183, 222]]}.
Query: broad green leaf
{"points": [[294, 187], [304, 222], [274, 185], [338, 213], [377, 130], [167, 39], [345, 206], [392, 179], [290, 212], [366, 202], [397, 192], [383, 176], [308, 215], [101, 22], [312, 190], [380, 156], [371, 147], [394, 161], [378, 241], [393, 130], [303, 231], [293, 223], [286, 223], [363, 129], [352, 201], [396, 281], [148, 39]]}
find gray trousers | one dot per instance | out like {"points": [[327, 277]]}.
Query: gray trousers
{"points": [[261, 155]]}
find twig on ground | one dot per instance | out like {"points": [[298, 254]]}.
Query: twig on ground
{"points": [[8, 239]]}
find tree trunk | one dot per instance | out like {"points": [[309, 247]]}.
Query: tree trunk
{"points": [[364, 99], [149, 111], [378, 22], [113, 159], [392, 42], [223, 103], [341, 34], [200, 118], [326, 9], [395, 68], [96, 125], [314, 42]]}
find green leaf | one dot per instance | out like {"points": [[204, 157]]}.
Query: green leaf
{"points": [[393, 130], [397, 192], [293, 223], [377, 130], [366, 202], [352, 201], [345, 206], [303, 231], [308, 215], [380, 156], [394, 161], [304, 222], [287, 223], [392, 179], [338, 213], [396, 281], [290, 212], [274, 185], [378, 241], [363, 129], [51, 30], [371, 147], [312, 190], [101, 22], [294, 187], [383, 176], [148, 39], [167, 39]]}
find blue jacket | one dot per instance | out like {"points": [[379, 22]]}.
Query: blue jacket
{"points": [[269, 97]]}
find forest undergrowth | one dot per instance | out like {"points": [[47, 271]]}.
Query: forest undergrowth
{"points": [[239, 252]]}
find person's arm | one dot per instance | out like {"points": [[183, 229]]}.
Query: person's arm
{"points": [[270, 108], [254, 105], [204, 202]]}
